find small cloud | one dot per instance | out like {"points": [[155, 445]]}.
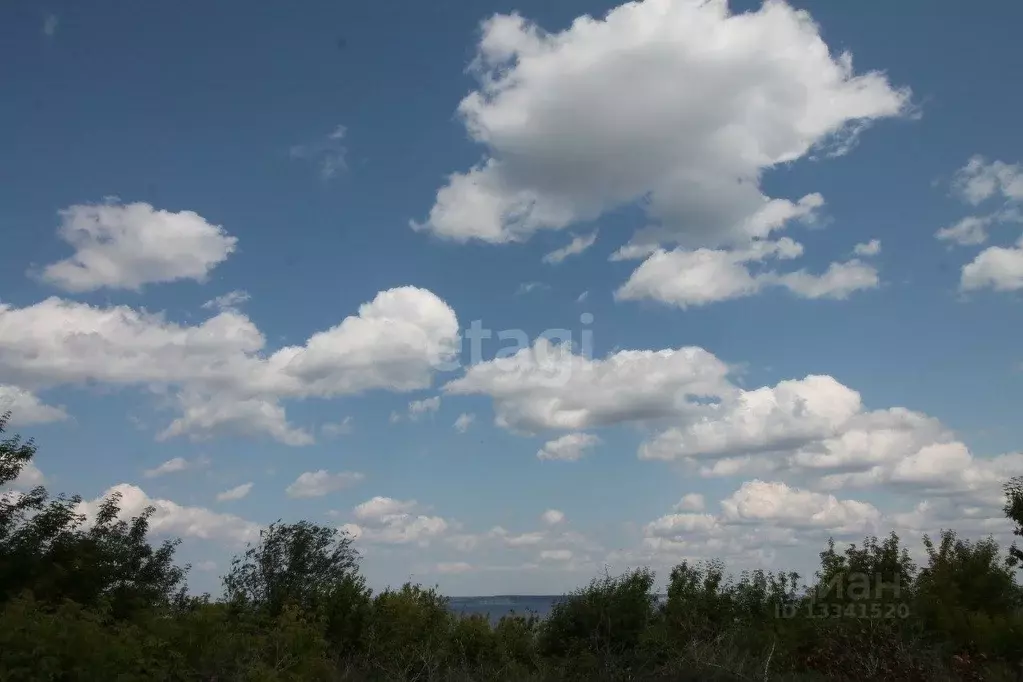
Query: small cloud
{"points": [[575, 247], [556, 555], [50, 22], [692, 502], [341, 428], [206, 566], [235, 493], [529, 287], [464, 421], [176, 465], [583, 296], [871, 248], [553, 517], [329, 153], [322, 482], [417, 408], [569, 448], [228, 301], [394, 418]]}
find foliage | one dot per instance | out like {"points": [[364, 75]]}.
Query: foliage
{"points": [[47, 548], [1014, 512], [85, 596]]}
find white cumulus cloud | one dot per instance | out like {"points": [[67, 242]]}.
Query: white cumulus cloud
{"points": [[218, 372], [124, 246], [665, 99], [236, 493], [547, 386]]}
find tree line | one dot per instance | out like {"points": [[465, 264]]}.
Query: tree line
{"points": [[91, 599]]}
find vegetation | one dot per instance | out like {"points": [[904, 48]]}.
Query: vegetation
{"points": [[91, 599]]}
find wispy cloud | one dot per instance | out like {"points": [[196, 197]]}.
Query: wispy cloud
{"points": [[228, 301], [176, 465], [50, 22], [578, 244], [529, 287], [329, 153], [341, 428], [464, 421]]}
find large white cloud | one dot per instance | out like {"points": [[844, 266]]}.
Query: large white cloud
{"points": [[547, 386], [217, 369], [677, 101], [766, 419], [680, 105], [124, 246], [775, 502]]}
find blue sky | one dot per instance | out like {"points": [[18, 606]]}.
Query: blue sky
{"points": [[370, 179]]}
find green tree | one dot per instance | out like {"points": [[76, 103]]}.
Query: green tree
{"points": [[1014, 511], [312, 567], [48, 548]]}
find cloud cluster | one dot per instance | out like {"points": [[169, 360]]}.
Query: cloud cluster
{"points": [[982, 182], [680, 105], [815, 428], [385, 520], [172, 519], [217, 371], [681, 102], [752, 523]]}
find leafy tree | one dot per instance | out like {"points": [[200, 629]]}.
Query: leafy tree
{"points": [[606, 619], [47, 548], [1014, 512], [859, 572], [294, 563], [314, 568]]}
